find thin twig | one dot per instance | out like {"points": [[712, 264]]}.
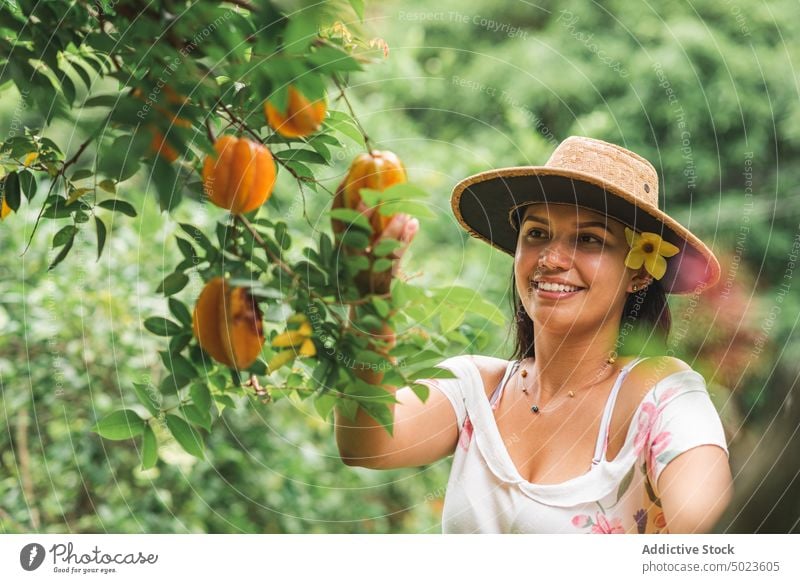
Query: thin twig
{"points": [[343, 95]]}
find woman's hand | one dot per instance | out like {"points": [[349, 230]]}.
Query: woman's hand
{"points": [[402, 227]]}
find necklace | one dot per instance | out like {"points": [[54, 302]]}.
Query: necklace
{"points": [[570, 394]]}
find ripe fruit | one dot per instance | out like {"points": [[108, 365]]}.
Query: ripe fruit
{"points": [[301, 117], [377, 171], [159, 144], [227, 324], [241, 177]]}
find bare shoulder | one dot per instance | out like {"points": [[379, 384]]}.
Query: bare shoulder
{"points": [[647, 373], [641, 378], [491, 369]]}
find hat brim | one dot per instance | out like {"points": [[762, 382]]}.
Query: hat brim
{"points": [[485, 204]]}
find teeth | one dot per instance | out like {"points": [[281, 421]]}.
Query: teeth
{"points": [[555, 287]]}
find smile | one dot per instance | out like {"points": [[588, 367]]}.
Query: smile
{"points": [[548, 289]]}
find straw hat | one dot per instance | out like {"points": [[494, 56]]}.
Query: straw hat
{"points": [[592, 174]]}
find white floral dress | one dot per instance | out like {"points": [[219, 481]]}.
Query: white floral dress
{"points": [[486, 493]]}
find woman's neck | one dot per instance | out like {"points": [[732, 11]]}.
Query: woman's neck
{"points": [[571, 360]]}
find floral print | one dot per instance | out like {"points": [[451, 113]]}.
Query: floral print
{"points": [[601, 524], [649, 420], [466, 434], [640, 516]]}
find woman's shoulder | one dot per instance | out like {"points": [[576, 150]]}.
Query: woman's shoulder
{"points": [[646, 374], [492, 370]]}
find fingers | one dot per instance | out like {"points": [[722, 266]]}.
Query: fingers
{"points": [[394, 228]]}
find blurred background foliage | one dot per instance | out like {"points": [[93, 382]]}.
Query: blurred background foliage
{"points": [[705, 90]]}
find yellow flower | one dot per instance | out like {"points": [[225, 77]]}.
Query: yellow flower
{"points": [[648, 249], [30, 158], [297, 340], [5, 210]]}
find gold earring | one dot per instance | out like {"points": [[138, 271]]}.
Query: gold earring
{"points": [[635, 287]]}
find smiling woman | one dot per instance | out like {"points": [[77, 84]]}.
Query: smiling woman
{"points": [[572, 434]]}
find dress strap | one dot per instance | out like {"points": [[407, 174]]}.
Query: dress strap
{"points": [[498, 391], [602, 435]]}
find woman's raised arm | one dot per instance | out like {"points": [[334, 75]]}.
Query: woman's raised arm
{"points": [[696, 488], [422, 432]]}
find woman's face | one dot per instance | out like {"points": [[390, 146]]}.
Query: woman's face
{"points": [[569, 267]]}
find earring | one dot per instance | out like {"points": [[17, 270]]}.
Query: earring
{"points": [[635, 287]]}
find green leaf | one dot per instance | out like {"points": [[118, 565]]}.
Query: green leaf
{"points": [[197, 236], [186, 435], [119, 206], [421, 391], [100, 229], [381, 305], [11, 191], [109, 186], [119, 425], [300, 155], [381, 413], [179, 342], [330, 59], [382, 265], [324, 404], [179, 365], [63, 253], [149, 448], [27, 183], [81, 174], [186, 248], [340, 122], [450, 317], [201, 396], [162, 326], [386, 246], [358, 240], [180, 311], [302, 171], [172, 284], [165, 178], [348, 408], [144, 394], [358, 8], [120, 160], [411, 207], [196, 416], [299, 35], [434, 372], [351, 217], [469, 300], [403, 191], [64, 235]]}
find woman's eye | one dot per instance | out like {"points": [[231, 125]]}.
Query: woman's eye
{"points": [[589, 239], [536, 233]]}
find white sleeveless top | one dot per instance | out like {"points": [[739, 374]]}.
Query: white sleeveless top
{"points": [[486, 493]]}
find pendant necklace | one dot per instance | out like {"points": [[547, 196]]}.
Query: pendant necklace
{"points": [[570, 394]]}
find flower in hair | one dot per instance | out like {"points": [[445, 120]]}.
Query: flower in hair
{"points": [[648, 249]]}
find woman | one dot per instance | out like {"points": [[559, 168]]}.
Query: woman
{"points": [[568, 436]]}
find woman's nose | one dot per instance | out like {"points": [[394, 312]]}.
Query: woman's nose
{"points": [[554, 256]]}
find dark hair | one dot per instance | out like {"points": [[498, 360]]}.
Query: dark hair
{"points": [[644, 325]]}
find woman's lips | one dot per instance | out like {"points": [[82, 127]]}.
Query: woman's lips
{"points": [[555, 292]]}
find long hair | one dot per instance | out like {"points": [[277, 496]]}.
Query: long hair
{"points": [[644, 325]]}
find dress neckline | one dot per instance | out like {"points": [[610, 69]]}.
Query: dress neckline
{"points": [[491, 444]]}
